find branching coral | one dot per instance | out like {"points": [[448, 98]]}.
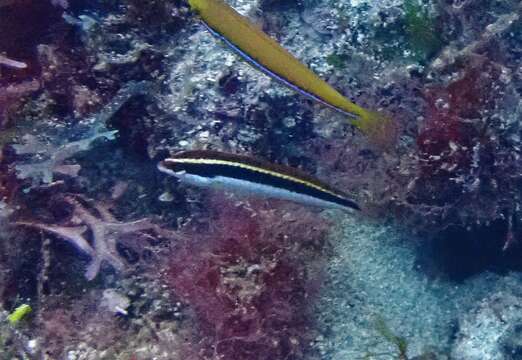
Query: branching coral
{"points": [[55, 156], [246, 280], [49, 158], [106, 231]]}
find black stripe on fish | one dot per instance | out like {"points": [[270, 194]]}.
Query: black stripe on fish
{"points": [[213, 164]]}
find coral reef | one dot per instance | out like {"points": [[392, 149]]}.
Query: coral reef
{"points": [[92, 94], [221, 115]]}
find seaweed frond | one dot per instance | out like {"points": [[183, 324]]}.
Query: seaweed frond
{"points": [[398, 341]]}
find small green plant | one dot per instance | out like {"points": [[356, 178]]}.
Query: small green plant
{"points": [[337, 61], [398, 341]]}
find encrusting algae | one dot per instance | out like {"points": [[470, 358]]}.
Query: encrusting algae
{"points": [[265, 54]]}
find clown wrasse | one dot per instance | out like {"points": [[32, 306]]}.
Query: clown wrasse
{"points": [[265, 54]]}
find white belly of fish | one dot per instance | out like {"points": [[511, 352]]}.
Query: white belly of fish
{"points": [[249, 188]]}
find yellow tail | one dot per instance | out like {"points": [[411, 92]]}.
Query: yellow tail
{"points": [[381, 130]]}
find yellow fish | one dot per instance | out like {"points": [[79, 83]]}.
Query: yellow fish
{"points": [[265, 54]]}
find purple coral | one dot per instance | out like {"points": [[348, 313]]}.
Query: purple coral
{"points": [[4, 60]]}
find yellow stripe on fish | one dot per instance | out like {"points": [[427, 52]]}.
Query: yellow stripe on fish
{"points": [[253, 168], [241, 173], [267, 55]]}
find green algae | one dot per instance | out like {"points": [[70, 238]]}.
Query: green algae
{"points": [[424, 38], [19, 314], [337, 61]]}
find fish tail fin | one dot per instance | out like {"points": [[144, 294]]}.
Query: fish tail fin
{"points": [[380, 129]]}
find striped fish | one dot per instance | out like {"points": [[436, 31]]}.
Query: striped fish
{"points": [[252, 176], [266, 55]]}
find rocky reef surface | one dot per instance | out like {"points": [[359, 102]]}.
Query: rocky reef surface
{"points": [[97, 241]]}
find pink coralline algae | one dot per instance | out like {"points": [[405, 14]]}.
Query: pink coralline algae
{"points": [[246, 281], [468, 154], [94, 231]]}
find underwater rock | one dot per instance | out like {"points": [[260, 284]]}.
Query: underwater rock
{"points": [[492, 329]]}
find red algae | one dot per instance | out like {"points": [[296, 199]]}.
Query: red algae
{"points": [[248, 281], [454, 138], [454, 120]]}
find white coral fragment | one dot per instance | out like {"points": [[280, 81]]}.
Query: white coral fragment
{"points": [[53, 157]]}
